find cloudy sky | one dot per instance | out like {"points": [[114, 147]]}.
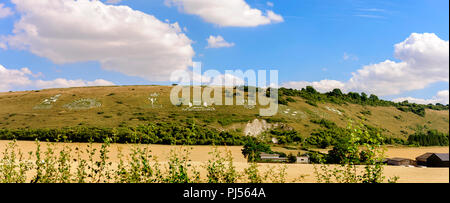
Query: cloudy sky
{"points": [[397, 49]]}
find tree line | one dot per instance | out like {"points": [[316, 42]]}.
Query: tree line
{"points": [[330, 135], [429, 138], [312, 97], [150, 133]]}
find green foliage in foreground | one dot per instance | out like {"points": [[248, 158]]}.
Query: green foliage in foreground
{"points": [[330, 134], [139, 166], [358, 147], [159, 133], [93, 165]]}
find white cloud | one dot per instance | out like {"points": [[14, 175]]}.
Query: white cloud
{"points": [[441, 97], [424, 60], [274, 17], [218, 42], [64, 83], [12, 78], [227, 13], [209, 78], [24, 79], [321, 86], [113, 1], [270, 4], [119, 38], [5, 11]]}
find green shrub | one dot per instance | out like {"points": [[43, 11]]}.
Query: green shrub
{"points": [[358, 147], [330, 134], [312, 103], [286, 137], [290, 99], [220, 168]]}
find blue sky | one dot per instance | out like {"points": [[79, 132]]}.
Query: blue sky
{"points": [[316, 40]]}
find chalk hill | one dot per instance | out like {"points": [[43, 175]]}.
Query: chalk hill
{"points": [[134, 105]]}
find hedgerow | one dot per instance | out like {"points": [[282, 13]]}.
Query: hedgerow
{"points": [[151, 133]]}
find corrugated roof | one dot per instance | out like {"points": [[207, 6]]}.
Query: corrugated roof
{"points": [[442, 156], [269, 156], [424, 157]]}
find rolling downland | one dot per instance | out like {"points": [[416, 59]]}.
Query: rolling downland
{"points": [[111, 107]]}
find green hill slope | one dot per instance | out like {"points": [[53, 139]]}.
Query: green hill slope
{"points": [[131, 106]]}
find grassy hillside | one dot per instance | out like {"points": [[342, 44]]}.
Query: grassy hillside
{"points": [[131, 106]]}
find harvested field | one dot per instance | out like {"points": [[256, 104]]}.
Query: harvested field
{"points": [[198, 153], [199, 156]]}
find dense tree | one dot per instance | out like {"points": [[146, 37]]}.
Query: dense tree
{"points": [[292, 158], [336, 96], [286, 137], [252, 150], [429, 138], [330, 134]]}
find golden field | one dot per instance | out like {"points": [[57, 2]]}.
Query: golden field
{"points": [[199, 155]]}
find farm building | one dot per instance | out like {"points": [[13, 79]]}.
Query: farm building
{"points": [[272, 158], [400, 162], [438, 160], [303, 160], [269, 156], [433, 160], [422, 159]]}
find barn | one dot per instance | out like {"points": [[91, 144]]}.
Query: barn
{"points": [[422, 159], [438, 160], [272, 158], [266, 156], [400, 162]]}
